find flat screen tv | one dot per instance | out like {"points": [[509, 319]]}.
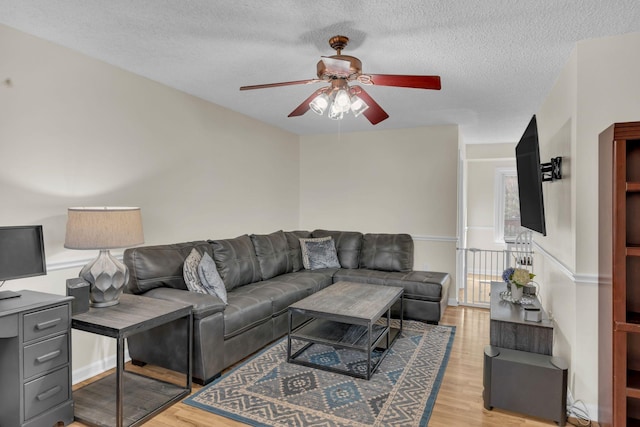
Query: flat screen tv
{"points": [[21, 254], [530, 180]]}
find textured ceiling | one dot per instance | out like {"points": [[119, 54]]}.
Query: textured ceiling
{"points": [[497, 59]]}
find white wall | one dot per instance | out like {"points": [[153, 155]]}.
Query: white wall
{"points": [[392, 181], [76, 131], [598, 87], [482, 161]]}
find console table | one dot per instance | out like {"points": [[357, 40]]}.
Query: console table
{"points": [[508, 329], [143, 396], [520, 374], [35, 349]]}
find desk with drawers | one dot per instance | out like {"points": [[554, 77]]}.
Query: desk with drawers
{"points": [[35, 368]]}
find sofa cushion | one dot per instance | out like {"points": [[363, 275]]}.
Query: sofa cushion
{"points": [[418, 285], [387, 252], [236, 261], [155, 266], [311, 280], [247, 309], [281, 293], [272, 251], [210, 278], [190, 272], [295, 251], [319, 253], [348, 246]]}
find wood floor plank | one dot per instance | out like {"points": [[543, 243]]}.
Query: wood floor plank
{"points": [[459, 401]]}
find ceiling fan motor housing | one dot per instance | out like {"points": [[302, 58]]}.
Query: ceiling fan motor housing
{"points": [[355, 68]]}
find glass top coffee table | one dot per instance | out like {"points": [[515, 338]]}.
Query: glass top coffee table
{"points": [[346, 315]]}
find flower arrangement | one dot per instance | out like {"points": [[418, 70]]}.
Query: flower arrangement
{"points": [[517, 276]]}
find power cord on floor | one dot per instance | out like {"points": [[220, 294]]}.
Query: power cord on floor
{"points": [[581, 414]]}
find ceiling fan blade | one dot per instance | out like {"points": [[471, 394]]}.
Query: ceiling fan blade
{"points": [[296, 82], [375, 114], [416, 82], [336, 66], [304, 107]]}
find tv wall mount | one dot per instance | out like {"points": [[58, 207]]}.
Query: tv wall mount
{"points": [[552, 171]]}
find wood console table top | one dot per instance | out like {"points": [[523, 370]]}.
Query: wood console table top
{"points": [[506, 311]]}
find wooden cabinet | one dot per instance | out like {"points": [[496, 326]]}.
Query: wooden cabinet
{"points": [[520, 373], [619, 276], [35, 360]]}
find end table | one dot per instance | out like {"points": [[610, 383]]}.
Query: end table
{"points": [[143, 397]]}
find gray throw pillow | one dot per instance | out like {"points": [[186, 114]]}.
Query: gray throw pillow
{"points": [[190, 272], [210, 278], [319, 253]]}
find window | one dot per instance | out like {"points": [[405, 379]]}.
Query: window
{"points": [[507, 206]]}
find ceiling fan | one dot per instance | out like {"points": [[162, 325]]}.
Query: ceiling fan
{"points": [[339, 97]]}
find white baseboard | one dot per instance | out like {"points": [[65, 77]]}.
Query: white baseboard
{"points": [[96, 368], [452, 302]]}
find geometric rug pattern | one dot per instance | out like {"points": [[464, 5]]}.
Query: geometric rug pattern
{"points": [[265, 390]]}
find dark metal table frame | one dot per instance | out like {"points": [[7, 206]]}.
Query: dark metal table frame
{"points": [[345, 330], [132, 315]]}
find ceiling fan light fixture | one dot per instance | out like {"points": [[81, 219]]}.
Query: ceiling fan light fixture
{"points": [[335, 113], [358, 106], [342, 101], [319, 104]]}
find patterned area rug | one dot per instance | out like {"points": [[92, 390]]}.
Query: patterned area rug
{"points": [[268, 391]]}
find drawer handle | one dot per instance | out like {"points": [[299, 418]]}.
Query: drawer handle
{"points": [[48, 356], [49, 393], [48, 324]]}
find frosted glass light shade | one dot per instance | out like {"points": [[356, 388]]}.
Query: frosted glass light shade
{"points": [[319, 104], [342, 102], [358, 106], [335, 113]]}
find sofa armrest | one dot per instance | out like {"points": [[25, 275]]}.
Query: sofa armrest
{"points": [[204, 305]]}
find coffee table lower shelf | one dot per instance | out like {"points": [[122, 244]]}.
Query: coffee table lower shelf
{"points": [[343, 335], [143, 398]]}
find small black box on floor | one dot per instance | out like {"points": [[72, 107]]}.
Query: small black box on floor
{"points": [[529, 383], [79, 289]]}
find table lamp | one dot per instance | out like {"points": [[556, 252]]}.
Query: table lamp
{"points": [[104, 228]]}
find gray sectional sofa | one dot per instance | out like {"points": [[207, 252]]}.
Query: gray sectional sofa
{"points": [[263, 275]]}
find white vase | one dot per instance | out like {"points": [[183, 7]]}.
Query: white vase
{"points": [[516, 292]]}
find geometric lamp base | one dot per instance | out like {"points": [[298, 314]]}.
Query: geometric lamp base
{"points": [[107, 277]]}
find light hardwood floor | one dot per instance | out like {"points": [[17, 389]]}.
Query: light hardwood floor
{"points": [[459, 401]]}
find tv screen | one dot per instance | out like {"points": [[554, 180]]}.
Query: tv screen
{"points": [[530, 180], [21, 252]]}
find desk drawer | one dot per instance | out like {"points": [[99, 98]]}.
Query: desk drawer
{"points": [[45, 355], [46, 392], [46, 322]]}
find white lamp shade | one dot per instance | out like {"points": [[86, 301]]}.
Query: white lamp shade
{"points": [[342, 102], [103, 228], [319, 104], [334, 112], [358, 106]]}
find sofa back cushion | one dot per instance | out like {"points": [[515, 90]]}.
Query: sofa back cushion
{"points": [[236, 261], [387, 252], [162, 265], [272, 251], [348, 244], [295, 251]]}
